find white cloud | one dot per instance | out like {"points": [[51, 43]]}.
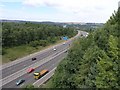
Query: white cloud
{"points": [[1, 9], [74, 5], [70, 10], [11, 0], [79, 8]]}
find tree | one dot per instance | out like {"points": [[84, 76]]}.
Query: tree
{"points": [[29, 87], [92, 62]]}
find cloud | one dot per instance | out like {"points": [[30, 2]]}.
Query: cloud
{"points": [[66, 10], [10, 0], [76, 6], [71, 4], [1, 9]]}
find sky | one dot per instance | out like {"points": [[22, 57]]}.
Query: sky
{"points": [[95, 11]]}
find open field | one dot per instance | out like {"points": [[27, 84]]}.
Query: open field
{"points": [[14, 53]]}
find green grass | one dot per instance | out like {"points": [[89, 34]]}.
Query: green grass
{"points": [[47, 84], [0, 59], [21, 51]]}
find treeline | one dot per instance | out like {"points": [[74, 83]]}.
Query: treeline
{"points": [[34, 34], [92, 62]]}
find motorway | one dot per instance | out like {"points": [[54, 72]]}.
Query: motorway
{"points": [[47, 59], [10, 70], [29, 79]]}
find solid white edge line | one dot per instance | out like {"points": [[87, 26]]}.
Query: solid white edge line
{"points": [[53, 70], [24, 70], [30, 55], [44, 76]]}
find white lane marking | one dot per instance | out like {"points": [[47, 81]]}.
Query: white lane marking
{"points": [[53, 56], [32, 55], [44, 76], [24, 58], [23, 71], [37, 82]]}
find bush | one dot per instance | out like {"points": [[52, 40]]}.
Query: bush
{"points": [[34, 43]]}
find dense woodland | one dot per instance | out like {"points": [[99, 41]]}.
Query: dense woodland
{"points": [[34, 34], [92, 62]]}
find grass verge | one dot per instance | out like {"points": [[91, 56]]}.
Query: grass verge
{"points": [[21, 51], [47, 84]]}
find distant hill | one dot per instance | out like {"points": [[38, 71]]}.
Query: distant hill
{"points": [[12, 20], [77, 25]]}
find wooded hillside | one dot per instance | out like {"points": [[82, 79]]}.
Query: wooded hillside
{"points": [[93, 61], [15, 34]]}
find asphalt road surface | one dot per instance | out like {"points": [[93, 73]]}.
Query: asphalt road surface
{"points": [[52, 63], [10, 70], [29, 79]]}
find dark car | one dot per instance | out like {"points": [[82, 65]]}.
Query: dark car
{"points": [[20, 82], [66, 51], [34, 59]]}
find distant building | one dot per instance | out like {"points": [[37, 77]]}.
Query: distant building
{"points": [[119, 4], [64, 26]]}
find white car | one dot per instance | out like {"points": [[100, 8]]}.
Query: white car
{"points": [[54, 49], [64, 43]]}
